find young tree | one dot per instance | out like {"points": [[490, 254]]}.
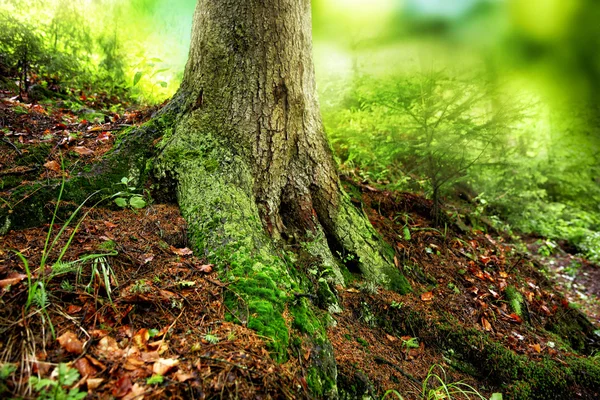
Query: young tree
{"points": [[450, 125], [243, 146]]}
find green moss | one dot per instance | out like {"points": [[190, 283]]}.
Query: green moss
{"points": [[515, 299], [374, 256]]}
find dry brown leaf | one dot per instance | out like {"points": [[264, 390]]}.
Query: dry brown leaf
{"points": [[536, 347], [141, 338], [182, 377], [137, 393], [182, 252], [85, 367], [12, 280], [122, 386], [82, 151], [70, 342], [95, 362], [110, 225], [207, 268], [94, 383], [160, 346], [150, 356], [427, 296], [164, 365], [486, 324], [109, 348], [390, 338], [53, 166]]}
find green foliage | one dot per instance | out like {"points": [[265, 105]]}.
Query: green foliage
{"points": [[436, 387], [515, 299], [155, 380], [49, 389], [128, 197], [6, 370], [422, 131]]}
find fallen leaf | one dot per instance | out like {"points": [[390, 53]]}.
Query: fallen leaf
{"points": [[94, 383], [122, 386], [150, 356], [486, 324], [164, 365], [70, 342], [108, 348], [53, 166], [14, 279], [137, 393], [182, 252], [427, 296], [73, 309], [82, 151], [85, 368], [109, 225], [207, 268], [141, 338], [182, 377], [390, 338], [536, 347]]}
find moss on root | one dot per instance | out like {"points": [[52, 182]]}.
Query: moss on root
{"points": [[374, 256]]}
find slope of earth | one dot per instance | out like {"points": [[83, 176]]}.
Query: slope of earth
{"points": [[122, 301]]}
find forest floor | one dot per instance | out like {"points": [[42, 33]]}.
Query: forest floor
{"points": [[138, 314]]}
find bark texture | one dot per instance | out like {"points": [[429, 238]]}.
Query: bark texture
{"points": [[249, 94]]}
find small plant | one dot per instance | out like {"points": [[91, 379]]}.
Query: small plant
{"points": [[49, 389], [396, 305], [411, 343], [515, 299], [127, 197], [210, 338], [140, 287], [547, 248], [436, 387], [6, 370], [390, 393]]}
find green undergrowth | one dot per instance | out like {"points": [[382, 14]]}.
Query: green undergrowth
{"points": [[477, 353]]}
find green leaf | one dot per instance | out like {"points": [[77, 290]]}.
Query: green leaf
{"points": [[124, 180], [154, 379], [406, 233], [163, 84], [153, 332], [137, 77], [121, 202], [137, 202], [496, 396]]}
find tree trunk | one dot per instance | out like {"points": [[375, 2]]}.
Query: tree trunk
{"points": [[254, 171]]}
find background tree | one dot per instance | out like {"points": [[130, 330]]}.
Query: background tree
{"points": [[450, 124]]}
